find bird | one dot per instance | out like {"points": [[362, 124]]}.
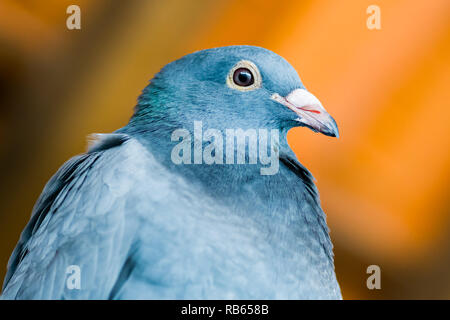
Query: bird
{"points": [[163, 209]]}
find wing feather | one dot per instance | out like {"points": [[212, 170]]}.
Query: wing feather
{"points": [[79, 219]]}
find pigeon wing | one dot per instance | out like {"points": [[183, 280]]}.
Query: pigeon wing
{"points": [[82, 223]]}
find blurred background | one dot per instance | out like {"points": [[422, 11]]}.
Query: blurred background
{"points": [[384, 184]]}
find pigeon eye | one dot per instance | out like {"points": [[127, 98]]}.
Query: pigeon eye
{"points": [[244, 76]]}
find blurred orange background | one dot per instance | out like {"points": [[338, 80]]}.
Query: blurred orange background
{"points": [[384, 183]]}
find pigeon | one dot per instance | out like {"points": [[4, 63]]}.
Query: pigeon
{"points": [[199, 196]]}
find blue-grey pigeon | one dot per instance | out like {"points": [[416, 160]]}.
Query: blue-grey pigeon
{"points": [[199, 196]]}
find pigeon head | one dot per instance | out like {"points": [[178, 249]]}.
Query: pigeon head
{"points": [[231, 87]]}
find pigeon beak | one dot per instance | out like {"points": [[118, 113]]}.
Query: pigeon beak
{"points": [[310, 111]]}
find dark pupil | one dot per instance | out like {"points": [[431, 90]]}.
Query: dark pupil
{"points": [[243, 77]]}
